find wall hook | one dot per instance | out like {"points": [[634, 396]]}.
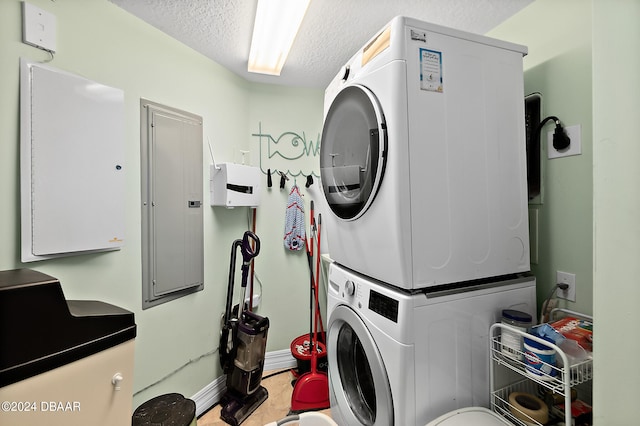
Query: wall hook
{"points": [[283, 179]]}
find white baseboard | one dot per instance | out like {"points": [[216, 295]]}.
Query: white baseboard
{"points": [[277, 360], [208, 396]]}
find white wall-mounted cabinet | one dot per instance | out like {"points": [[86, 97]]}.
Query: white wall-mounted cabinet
{"points": [[72, 164]]}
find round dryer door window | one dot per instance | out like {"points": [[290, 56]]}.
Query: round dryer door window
{"points": [[352, 151]]}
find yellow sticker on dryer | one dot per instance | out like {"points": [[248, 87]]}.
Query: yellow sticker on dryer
{"points": [[377, 46]]}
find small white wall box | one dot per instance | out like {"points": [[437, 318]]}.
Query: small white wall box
{"points": [[235, 185], [38, 27]]}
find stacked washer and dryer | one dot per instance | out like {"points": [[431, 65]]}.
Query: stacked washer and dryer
{"points": [[423, 168]]}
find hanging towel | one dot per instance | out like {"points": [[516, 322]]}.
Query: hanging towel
{"points": [[294, 226]]}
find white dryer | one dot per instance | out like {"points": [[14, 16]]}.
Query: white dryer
{"points": [[402, 358], [423, 159]]}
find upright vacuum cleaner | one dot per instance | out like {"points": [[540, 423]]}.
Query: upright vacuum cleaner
{"points": [[243, 342]]}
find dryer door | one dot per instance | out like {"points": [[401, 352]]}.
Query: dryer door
{"points": [[357, 377], [352, 151]]}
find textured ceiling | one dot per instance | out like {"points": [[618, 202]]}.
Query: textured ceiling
{"points": [[332, 30]]}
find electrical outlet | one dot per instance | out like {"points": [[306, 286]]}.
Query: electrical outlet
{"points": [[256, 301], [575, 147], [566, 278]]}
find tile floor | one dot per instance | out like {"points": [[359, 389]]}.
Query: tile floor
{"points": [[274, 408]]}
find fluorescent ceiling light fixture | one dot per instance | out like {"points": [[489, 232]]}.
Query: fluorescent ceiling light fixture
{"points": [[276, 26]]}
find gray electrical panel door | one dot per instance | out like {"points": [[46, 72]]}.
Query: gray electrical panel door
{"points": [[172, 220]]}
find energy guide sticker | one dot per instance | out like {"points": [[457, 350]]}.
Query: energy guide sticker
{"points": [[431, 70]]}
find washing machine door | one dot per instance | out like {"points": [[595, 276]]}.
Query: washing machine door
{"points": [[357, 377], [352, 151]]}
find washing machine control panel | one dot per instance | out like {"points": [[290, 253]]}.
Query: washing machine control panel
{"points": [[383, 305], [349, 288]]}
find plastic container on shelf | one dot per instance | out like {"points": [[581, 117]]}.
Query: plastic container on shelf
{"points": [[512, 342], [540, 359]]}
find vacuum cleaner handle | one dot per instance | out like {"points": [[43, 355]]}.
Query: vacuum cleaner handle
{"points": [[248, 253], [229, 325], [230, 285]]}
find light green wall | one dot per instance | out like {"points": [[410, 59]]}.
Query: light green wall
{"points": [[119, 50], [583, 58], [616, 111], [558, 35], [101, 42], [285, 274]]}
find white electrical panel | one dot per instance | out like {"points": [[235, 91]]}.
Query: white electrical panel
{"points": [[38, 27], [235, 185], [72, 164]]}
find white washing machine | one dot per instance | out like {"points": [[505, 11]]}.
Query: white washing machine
{"points": [[423, 158], [404, 358]]}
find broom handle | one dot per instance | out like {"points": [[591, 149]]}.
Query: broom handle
{"points": [[310, 260], [318, 315], [312, 226]]}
